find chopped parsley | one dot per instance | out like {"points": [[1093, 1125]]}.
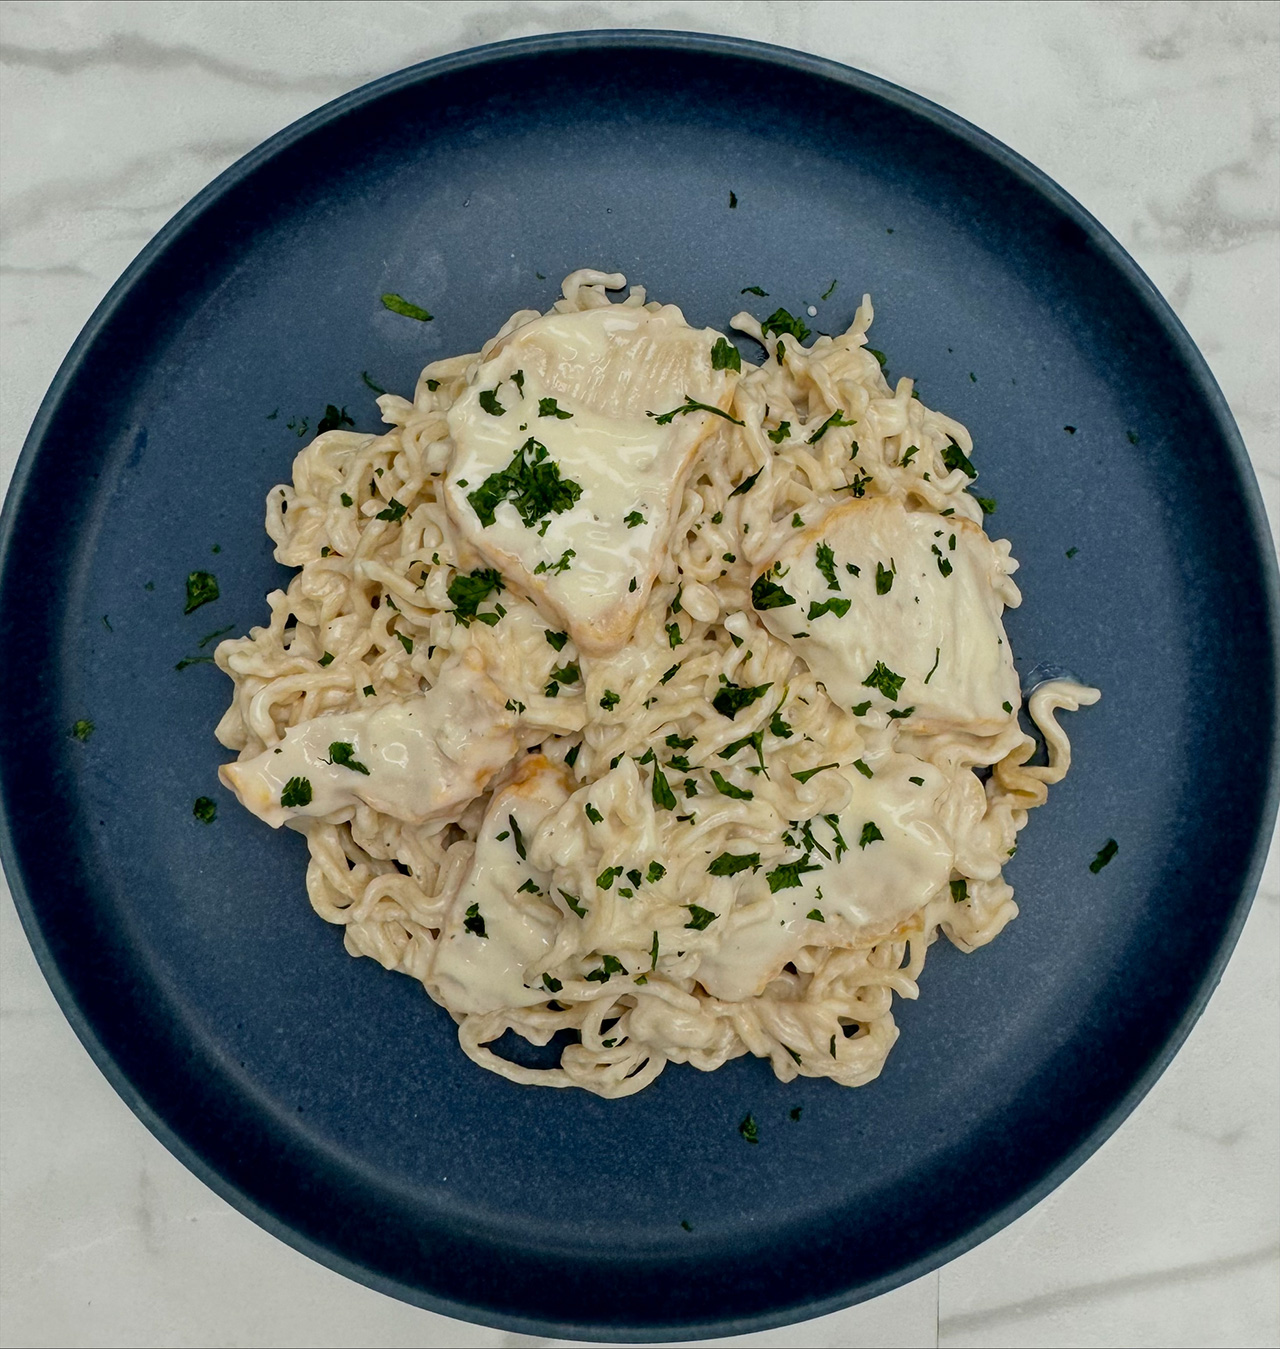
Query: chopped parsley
{"points": [[634, 519], [656, 872], [780, 322], [836, 606], [517, 836], [340, 753], [729, 864], [725, 356], [609, 965], [746, 484], [673, 635], [368, 690], [690, 405], [988, 504], [954, 457], [653, 953], [779, 727], [1008, 707], [345, 498], [918, 781], [1105, 854], [606, 878], [399, 305], [296, 793], [780, 434], [861, 709], [377, 388], [815, 916], [82, 730], [754, 290], [610, 699], [944, 566], [533, 485], [202, 588], [675, 741], [827, 565], [749, 1129], [937, 656], [548, 407], [559, 565], [574, 903], [552, 985], [881, 358], [786, 876], [858, 486], [884, 577], [884, 679], [394, 511], [897, 714], [556, 639], [732, 698], [663, 797], [334, 419], [205, 809], [767, 594], [812, 772], [755, 740], [909, 456], [826, 295], [665, 678], [837, 418], [959, 891], [1071, 552], [870, 834], [473, 922], [862, 768], [406, 642], [699, 918], [726, 788], [567, 674], [489, 403], [469, 592]]}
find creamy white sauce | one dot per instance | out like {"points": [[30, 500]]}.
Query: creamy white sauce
{"points": [[503, 968], [607, 369], [943, 634], [864, 895], [426, 757]]}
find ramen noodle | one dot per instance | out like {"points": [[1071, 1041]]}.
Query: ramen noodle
{"points": [[631, 690]]}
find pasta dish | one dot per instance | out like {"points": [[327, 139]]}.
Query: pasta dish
{"points": [[628, 689]]}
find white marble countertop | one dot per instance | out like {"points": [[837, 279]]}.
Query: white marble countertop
{"points": [[1164, 120]]}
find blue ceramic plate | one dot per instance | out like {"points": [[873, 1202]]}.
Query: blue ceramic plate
{"points": [[329, 1100]]}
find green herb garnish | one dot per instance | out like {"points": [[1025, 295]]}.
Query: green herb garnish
{"points": [[610, 700], [767, 594], [870, 834], [1105, 854], [836, 419], [534, 486], [202, 588], [560, 564], [732, 698], [334, 419], [690, 405], [726, 788], [548, 407], [469, 592], [729, 864], [780, 322], [699, 918], [296, 793], [787, 875], [959, 891], [827, 565], [954, 457], [836, 606], [394, 511], [663, 796], [399, 305], [725, 356], [884, 577], [780, 434], [473, 922], [810, 772], [749, 1129], [340, 753], [884, 679], [205, 809]]}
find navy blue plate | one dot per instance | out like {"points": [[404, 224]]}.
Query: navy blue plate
{"points": [[329, 1100]]}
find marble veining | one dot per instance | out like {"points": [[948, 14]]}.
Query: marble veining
{"points": [[1163, 119]]}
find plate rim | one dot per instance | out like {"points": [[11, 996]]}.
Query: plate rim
{"points": [[943, 121]]}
